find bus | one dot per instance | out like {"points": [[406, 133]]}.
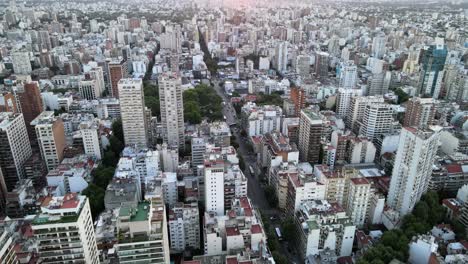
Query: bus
{"points": [[251, 171], [278, 233]]}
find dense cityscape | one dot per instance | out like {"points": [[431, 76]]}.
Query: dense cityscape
{"points": [[233, 131]]}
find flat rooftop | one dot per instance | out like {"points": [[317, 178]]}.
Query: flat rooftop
{"points": [[140, 213]]}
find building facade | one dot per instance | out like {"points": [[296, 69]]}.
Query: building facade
{"points": [[132, 112]]}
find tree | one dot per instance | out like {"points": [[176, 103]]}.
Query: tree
{"points": [[95, 195], [103, 175], [110, 159], [116, 145], [271, 193], [150, 90], [190, 95], [402, 96], [153, 104], [192, 112], [117, 130], [280, 259], [289, 229]]}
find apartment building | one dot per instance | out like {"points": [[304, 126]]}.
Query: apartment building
{"points": [[323, 226], [359, 195], [132, 111], [172, 110], [65, 222], [259, 120], [413, 167], [184, 226], [143, 235], [15, 148], [310, 135], [50, 134]]}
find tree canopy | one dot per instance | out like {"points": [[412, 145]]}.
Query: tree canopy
{"points": [[202, 102], [394, 243], [152, 98]]}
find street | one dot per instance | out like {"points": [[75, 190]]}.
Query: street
{"points": [[254, 189]]}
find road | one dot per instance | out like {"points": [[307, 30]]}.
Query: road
{"points": [[254, 189]]}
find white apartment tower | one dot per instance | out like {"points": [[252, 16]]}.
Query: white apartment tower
{"points": [[88, 89], [348, 75], [50, 133], [91, 141], [21, 62], [132, 111], [172, 110], [184, 226], [357, 108], [97, 74], [343, 100], [413, 167], [377, 120], [143, 234], [359, 194], [64, 230], [214, 185]]}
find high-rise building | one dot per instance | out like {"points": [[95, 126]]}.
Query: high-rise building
{"points": [[91, 140], [21, 62], [303, 65], [50, 133], [378, 83], [298, 97], [310, 134], [357, 108], [378, 46], [377, 120], [184, 226], [7, 249], [132, 111], [143, 233], [8, 102], [458, 88], [65, 227], [117, 70], [88, 88], [281, 57], [97, 74], [44, 40], [198, 152], [359, 194], [214, 184], [348, 75], [15, 148], [343, 100], [419, 112], [323, 226], [413, 166], [172, 110], [30, 104], [432, 69], [322, 60]]}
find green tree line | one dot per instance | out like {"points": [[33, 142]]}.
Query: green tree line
{"points": [[104, 173]]}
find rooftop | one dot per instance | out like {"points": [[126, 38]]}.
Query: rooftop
{"points": [[140, 213]]}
